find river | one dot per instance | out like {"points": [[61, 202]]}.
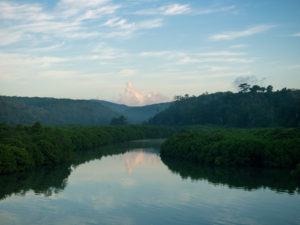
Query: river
{"points": [[131, 184]]}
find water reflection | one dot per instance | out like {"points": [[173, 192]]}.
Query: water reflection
{"points": [[130, 184], [245, 178], [139, 157], [44, 181], [51, 180]]}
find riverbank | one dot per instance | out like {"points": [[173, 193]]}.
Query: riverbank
{"points": [[26, 147], [267, 147]]}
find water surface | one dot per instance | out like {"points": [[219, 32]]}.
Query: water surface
{"points": [[135, 186]]}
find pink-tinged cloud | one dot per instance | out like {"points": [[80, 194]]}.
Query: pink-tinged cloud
{"points": [[133, 97]]}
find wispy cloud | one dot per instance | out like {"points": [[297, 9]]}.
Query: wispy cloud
{"points": [[173, 9], [70, 19], [81, 3], [214, 10], [119, 22], [189, 60], [48, 48], [296, 35], [123, 28], [182, 58], [104, 52], [19, 60], [163, 54], [180, 9], [149, 24], [238, 46], [221, 53], [292, 67], [244, 33], [13, 11], [99, 12], [9, 36]]}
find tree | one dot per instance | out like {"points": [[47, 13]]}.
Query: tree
{"points": [[269, 89], [244, 87], [255, 88], [118, 121], [36, 127]]}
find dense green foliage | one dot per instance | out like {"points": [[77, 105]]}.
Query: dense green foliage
{"points": [[252, 107], [51, 111], [24, 147], [268, 147]]}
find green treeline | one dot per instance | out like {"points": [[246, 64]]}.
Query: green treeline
{"points": [[251, 107], [264, 147], [24, 147]]}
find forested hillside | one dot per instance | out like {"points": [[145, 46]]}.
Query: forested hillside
{"points": [[251, 107], [136, 114], [51, 111]]}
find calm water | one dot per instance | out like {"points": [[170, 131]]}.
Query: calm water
{"points": [[135, 186]]}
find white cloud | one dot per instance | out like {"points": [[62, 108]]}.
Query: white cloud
{"points": [[103, 51], [180, 9], [164, 54], [149, 24], [292, 67], [120, 23], [189, 60], [96, 13], [238, 46], [8, 36], [20, 60], [175, 9], [136, 98], [219, 68], [57, 74], [12, 11], [121, 28], [81, 3], [48, 48], [173, 54], [243, 33], [124, 25], [127, 72], [215, 10], [296, 35], [221, 53]]}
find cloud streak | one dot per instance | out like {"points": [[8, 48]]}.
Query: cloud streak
{"points": [[169, 10], [181, 9], [214, 10], [243, 33], [296, 35]]}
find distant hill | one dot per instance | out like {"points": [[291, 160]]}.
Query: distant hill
{"points": [[252, 107], [51, 111], [136, 114]]}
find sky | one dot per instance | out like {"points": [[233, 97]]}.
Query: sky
{"points": [[141, 52]]}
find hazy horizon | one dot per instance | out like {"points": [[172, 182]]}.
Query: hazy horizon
{"points": [[146, 52]]}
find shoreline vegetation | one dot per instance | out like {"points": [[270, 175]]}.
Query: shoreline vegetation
{"points": [[234, 147], [274, 145], [27, 147]]}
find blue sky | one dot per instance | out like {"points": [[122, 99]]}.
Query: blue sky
{"points": [[146, 51]]}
